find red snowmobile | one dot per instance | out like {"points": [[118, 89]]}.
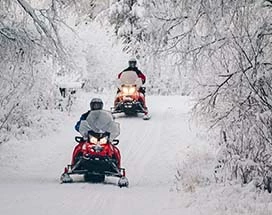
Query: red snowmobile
{"points": [[96, 155], [130, 99]]}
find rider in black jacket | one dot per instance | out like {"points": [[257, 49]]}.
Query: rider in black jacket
{"points": [[95, 104]]}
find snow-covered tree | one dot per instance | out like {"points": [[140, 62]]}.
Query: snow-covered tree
{"points": [[137, 26], [31, 54], [125, 16], [225, 48]]}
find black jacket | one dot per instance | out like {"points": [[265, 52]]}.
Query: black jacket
{"points": [[83, 117], [135, 69]]}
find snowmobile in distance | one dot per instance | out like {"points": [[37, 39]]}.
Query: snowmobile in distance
{"points": [[96, 155], [129, 99]]}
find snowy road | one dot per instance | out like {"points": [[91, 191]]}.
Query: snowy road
{"points": [[29, 180]]}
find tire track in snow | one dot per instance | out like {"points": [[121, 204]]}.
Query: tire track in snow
{"points": [[145, 146]]}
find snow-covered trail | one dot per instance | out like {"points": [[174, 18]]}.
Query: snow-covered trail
{"points": [[30, 171]]}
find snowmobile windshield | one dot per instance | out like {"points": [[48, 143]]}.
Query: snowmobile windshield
{"points": [[100, 122], [130, 78]]}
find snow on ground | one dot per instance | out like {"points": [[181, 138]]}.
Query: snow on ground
{"points": [[31, 169], [151, 153]]}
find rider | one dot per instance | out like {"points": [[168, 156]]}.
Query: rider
{"points": [[95, 104], [132, 67]]}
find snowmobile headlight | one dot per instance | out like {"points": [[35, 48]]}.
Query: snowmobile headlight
{"points": [[125, 90], [103, 140], [93, 140], [132, 90]]}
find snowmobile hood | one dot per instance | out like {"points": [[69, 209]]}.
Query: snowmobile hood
{"points": [[100, 121]]}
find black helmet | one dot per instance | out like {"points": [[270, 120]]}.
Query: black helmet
{"points": [[132, 62], [96, 104]]}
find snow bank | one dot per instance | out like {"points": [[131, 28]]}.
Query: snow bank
{"points": [[196, 183]]}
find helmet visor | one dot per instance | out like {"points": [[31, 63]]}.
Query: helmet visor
{"points": [[96, 106]]}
